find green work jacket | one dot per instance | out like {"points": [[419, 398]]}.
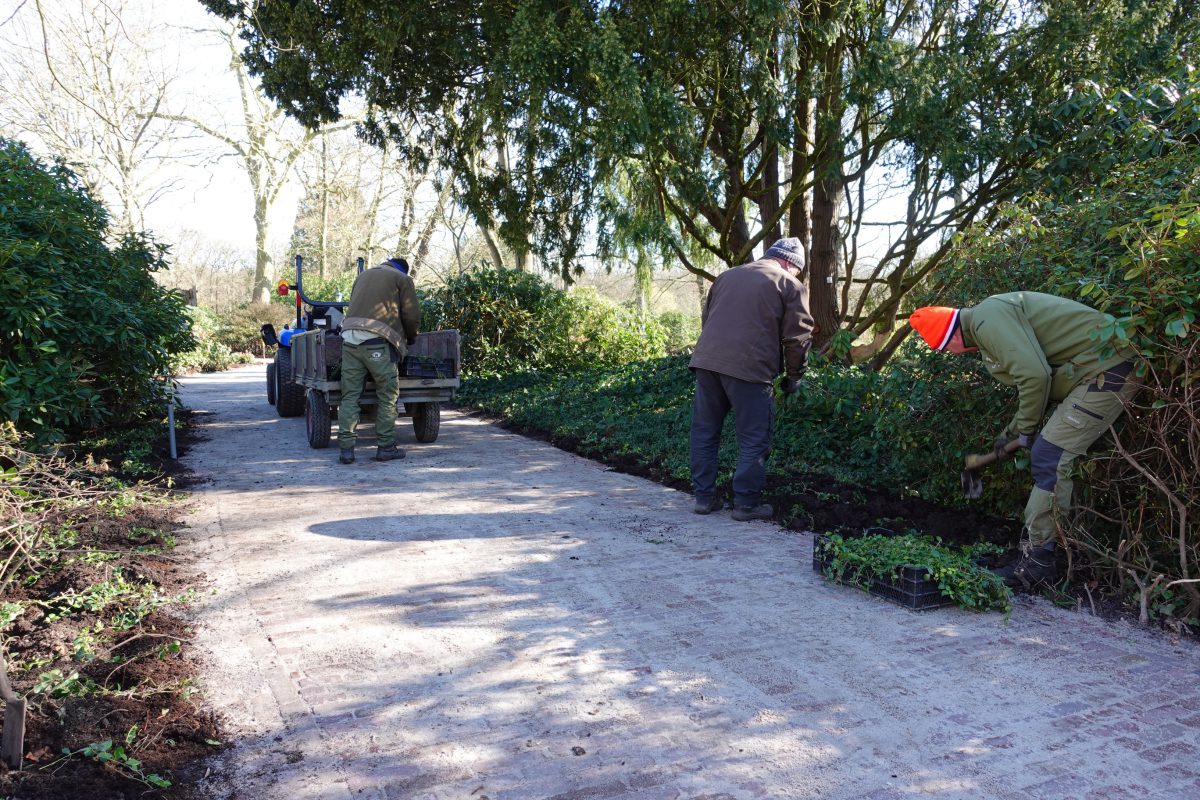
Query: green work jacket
{"points": [[384, 302], [1041, 344]]}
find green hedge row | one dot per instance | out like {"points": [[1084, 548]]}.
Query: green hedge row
{"points": [[906, 428]]}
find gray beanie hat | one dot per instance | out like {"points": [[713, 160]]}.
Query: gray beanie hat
{"points": [[790, 250]]}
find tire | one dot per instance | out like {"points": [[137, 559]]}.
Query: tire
{"points": [[289, 396], [317, 421], [271, 383], [427, 419]]}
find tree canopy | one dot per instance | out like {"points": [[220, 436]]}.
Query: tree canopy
{"points": [[711, 128]]}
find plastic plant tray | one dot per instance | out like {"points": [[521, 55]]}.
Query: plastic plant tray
{"points": [[911, 590], [423, 367]]}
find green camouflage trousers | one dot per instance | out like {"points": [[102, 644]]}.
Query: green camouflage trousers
{"points": [[359, 361], [1080, 419]]}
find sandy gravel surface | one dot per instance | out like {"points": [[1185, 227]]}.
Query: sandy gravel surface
{"points": [[494, 618]]}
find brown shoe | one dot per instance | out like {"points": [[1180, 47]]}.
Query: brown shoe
{"points": [[708, 506]]}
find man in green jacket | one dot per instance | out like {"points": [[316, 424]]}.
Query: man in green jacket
{"points": [[382, 320], [1052, 350]]}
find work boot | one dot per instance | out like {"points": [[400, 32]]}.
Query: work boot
{"points": [[708, 506], [346, 456], [390, 453], [747, 513], [1037, 565]]}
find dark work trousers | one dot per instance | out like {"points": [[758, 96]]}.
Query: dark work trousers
{"points": [[753, 409]]}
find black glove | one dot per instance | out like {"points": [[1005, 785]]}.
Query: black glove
{"points": [[790, 387]]}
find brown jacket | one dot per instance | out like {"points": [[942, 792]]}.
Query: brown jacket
{"points": [[384, 301], [756, 324]]}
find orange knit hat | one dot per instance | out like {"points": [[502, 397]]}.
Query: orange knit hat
{"points": [[936, 324]]}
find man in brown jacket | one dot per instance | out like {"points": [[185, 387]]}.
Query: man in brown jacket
{"points": [[382, 320], [756, 324]]}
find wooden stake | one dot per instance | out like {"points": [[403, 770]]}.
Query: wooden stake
{"points": [[12, 741], [12, 738]]}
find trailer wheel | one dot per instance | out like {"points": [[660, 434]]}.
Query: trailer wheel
{"points": [[289, 395], [317, 421], [427, 419], [271, 383]]}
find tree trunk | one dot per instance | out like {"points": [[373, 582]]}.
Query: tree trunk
{"points": [[260, 292], [827, 195], [493, 248], [519, 254], [798, 218], [373, 212], [644, 279], [735, 243], [421, 250], [768, 204], [822, 268], [324, 205]]}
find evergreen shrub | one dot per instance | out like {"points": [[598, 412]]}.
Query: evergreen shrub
{"points": [[87, 333], [513, 321]]}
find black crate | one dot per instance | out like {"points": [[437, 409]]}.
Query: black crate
{"points": [[424, 367], [912, 589]]}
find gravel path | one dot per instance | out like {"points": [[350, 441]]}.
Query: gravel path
{"points": [[494, 618]]}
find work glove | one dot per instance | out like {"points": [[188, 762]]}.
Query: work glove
{"points": [[790, 387], [1003, 440]]}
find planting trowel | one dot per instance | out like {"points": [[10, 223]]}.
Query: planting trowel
{"points": [[972, 481]]}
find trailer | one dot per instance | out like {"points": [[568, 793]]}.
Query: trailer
{"points": [[282, 391], [428, 377], [304, 376]]}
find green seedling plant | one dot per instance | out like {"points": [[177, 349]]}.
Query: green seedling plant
{"points": [[98, 596], [118, 757], [149, 540], [859, 560], [9, 612], [55, 684], [86, 642], [93, 557], [130, 616], [26, 665]]}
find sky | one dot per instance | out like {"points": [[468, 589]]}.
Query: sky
{"points": [[216, 198], [212, 194]]}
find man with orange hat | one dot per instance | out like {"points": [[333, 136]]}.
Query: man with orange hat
{"points": [[1053, 350]]}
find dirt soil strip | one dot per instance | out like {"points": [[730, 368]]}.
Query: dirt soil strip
{"points": [[495, 618]]}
